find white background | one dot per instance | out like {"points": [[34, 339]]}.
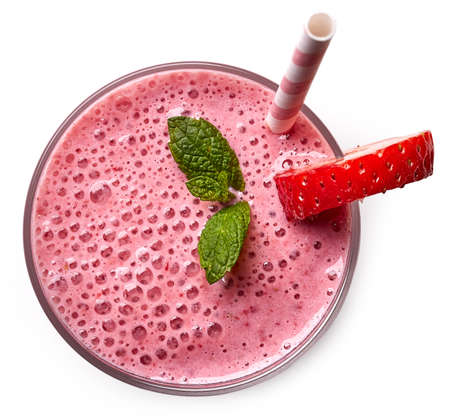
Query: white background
{"points": [[386, 73]]}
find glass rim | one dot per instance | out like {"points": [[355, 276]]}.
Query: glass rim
{"points": [[175, 388]]}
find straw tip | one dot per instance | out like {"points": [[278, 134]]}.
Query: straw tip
{"points": [[321, 26], [278, 126]]}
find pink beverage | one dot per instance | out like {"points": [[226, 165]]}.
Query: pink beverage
{"points": [[114, 235]]}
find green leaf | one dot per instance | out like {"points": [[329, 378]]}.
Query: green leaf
{"points": [[199, 149], [208, 188], [237, 181], [222, 239]]}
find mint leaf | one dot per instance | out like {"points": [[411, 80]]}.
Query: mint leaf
{"points": [[208, 188], [199, 149], [237, 181], [222, 239]]}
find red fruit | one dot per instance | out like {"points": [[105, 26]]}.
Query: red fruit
{"points": [[362, 172]]}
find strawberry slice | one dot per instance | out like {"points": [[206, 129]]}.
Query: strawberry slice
{"points": [[362, 172]]}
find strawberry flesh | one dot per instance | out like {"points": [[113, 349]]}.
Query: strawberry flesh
{"points": [[362, 172]]}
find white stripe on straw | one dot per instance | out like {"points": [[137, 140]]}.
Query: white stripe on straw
{"points": [[305, 61]]}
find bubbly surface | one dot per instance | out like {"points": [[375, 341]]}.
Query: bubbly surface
{"points": [[115, 233]]}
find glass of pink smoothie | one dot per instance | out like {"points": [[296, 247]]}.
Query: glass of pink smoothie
{"points": [[111, 233]]}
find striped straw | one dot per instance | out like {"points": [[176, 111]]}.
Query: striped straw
{"points": [[305, 61]]}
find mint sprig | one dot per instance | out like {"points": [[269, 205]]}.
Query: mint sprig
{"points": [[222, 239], [205, 156], [211, 167]]}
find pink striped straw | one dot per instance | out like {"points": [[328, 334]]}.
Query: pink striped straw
{"points": [[305, 61]]}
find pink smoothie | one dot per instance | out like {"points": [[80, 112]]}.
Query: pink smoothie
{"points": [[115, 232]]}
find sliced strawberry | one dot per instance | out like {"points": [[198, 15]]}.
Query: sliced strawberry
{"points": [[362, 172]]}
